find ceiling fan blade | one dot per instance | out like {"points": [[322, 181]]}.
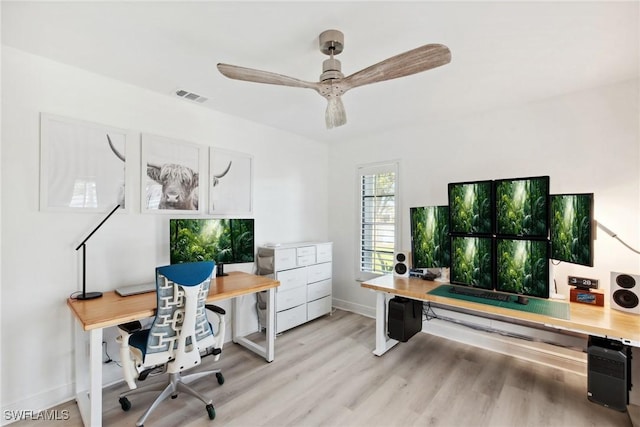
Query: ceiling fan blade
{"points": [[411, 62], [258, 76]]}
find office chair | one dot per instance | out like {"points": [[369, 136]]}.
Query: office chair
{"points": [[180, 332]]}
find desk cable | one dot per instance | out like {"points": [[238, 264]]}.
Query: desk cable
{"points": [[428, 312]]}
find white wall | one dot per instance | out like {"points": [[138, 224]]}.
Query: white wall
{"points": [[40, 267], [586, 142]]}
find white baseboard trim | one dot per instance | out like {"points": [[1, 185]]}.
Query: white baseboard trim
{"points": [[32, 405], [354, 308]]}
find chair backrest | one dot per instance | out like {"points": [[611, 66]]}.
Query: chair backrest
{"points": [[180, 328]]}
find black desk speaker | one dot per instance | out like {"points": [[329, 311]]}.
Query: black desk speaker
{"points": [[401, 264], [404, 319], [608, 373]]}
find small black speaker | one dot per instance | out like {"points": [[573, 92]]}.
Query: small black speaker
{"points": [[608, 373], [401, 264], [404, 319]]}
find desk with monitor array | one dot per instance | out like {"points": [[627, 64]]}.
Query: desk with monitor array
{"points": [[583, 319], [112, 309]]}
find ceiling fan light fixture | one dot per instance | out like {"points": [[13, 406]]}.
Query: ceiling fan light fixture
{"points": [[335, 115]]}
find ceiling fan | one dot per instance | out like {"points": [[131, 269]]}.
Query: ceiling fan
{"points": [[333, 84]]}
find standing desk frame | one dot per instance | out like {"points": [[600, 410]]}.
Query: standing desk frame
{"points": [[112, 310]]}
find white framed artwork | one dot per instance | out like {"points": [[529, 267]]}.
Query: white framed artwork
{"points": [[230, 182], [82, 165], [172, 172]]}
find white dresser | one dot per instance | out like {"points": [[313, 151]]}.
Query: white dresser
{"points": [[304, 272]]}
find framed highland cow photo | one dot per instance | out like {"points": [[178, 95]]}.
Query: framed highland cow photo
{"points": [[172, 172], [83, 166]]}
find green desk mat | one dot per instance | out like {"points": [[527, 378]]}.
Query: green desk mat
{"points": [[559, 310]]}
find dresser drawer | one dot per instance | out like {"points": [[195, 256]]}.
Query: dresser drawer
{"points": [[292, 278], [318, 272], [285, 258], [318, 289], [306, 251], [323, 252], [306, 255], [318, 308], [289, 318], [306, 260], [290, 298]]}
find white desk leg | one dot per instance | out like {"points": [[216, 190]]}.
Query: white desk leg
{"points": [[267, 351], [89, 390], [382, 343], [235, 320], [271, 324]]}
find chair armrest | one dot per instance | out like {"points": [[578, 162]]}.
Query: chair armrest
{"points": [[131, 327], [215, 309]]}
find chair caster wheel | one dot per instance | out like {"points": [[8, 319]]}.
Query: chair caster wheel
{"points": [[124, 404], [211, 411], [220, 378], [173, 396]]}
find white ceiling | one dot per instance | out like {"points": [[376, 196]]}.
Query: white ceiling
{"points": [[503, 53]]}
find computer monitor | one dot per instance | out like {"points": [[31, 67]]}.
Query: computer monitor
{"points": [[472, 261], [430, 243], [471, 207], [571, 228], [522, 207], [522, 266], [225, 241]]}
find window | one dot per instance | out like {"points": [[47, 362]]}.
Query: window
{"points": [[378, 206]]}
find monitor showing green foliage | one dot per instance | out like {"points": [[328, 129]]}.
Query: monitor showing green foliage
{"points": [[430, 244], [522, 267], [522, 207], [472, 261], [571, 228], [471, 207], [225, 241]]}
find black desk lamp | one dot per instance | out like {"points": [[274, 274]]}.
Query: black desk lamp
{"points": [[90, 295]]}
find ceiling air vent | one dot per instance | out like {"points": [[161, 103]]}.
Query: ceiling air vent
{"points": [[190, 96]]}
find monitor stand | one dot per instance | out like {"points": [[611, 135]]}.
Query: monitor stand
{"points": [[443, 275], [220, 270]]}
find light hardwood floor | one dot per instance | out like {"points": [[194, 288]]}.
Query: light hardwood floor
{"points": [[324, 374]]}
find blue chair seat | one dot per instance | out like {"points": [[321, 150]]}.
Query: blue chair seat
{"points": [[139, 340]]}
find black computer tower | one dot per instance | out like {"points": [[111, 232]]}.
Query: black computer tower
{"points": [[405, 318], [608, 373]]}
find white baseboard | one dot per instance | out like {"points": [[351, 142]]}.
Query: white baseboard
{"points": [[35, 403], [354, 308]]}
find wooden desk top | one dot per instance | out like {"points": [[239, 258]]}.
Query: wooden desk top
{"points": [[112, 309], [584, 318]]}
